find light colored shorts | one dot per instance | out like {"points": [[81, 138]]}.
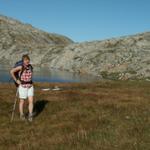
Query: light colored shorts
{"points": [[24, 93]]}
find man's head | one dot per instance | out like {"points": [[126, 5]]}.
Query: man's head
{"points": [[26, 59]]}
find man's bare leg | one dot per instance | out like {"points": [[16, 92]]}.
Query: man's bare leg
{"points": [[21, 105], [30, 99]]}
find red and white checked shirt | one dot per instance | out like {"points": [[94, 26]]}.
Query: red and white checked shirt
{"points": [[26, 77]]}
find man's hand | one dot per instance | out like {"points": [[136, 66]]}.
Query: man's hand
{"points": [[18, 82]]}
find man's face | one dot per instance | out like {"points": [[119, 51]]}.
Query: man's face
{"points": [[26, 61]]}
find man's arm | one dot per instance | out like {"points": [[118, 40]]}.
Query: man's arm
{"points": [[12, 72]]}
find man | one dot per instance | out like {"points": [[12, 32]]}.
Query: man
{"points": [[25, 86]]}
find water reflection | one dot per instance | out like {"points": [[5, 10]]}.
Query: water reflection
{"points": [[47, 75]]}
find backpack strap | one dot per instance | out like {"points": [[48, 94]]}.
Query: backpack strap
{"points": [[22, 70], [31, 67]]}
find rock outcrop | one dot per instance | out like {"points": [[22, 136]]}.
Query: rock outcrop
{"points": [[17, 38], [118, 58]]}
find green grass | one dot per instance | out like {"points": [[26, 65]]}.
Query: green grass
{"points": [[108, 115]]}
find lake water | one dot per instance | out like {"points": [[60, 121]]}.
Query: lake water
{"points": [[47, 75]]}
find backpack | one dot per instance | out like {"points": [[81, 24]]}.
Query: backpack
{"points": [[18, 74]]}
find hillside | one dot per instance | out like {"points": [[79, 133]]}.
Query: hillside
{"points": [[17, 38], [117, 58]]}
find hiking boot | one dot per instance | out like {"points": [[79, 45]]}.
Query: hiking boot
{"points": [[30, 117], [22, 117]]}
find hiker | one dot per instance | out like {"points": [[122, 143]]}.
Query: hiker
{"points": [[25, 85]]}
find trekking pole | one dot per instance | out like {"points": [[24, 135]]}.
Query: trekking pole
{"points": [[14, 106]]}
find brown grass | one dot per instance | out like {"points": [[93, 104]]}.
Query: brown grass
{"points": [[108, 115]]}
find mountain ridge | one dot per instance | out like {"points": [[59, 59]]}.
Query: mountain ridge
{"points": [[123, 58]]}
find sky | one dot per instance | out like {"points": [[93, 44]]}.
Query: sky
{"points": [[82, 20]]}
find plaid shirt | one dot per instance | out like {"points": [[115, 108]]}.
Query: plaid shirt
{"points": [[26, 77]]}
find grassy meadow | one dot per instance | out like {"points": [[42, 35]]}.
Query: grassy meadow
{"points": [[105, 115]]}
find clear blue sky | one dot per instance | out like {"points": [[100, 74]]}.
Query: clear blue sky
{"points": [[82, 20]]}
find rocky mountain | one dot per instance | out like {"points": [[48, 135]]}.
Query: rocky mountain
{"points": [[17, 38], [117, 58]]}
